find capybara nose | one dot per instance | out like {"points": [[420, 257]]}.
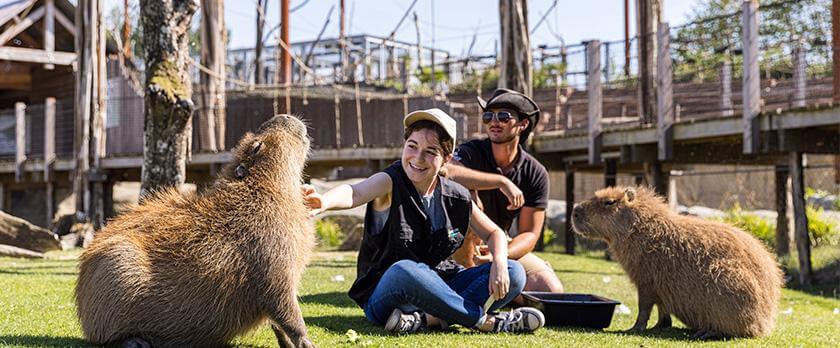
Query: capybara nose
{"points": [[577, 212]]}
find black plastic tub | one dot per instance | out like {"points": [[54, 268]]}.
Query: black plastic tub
{"points": [[584, 310]]}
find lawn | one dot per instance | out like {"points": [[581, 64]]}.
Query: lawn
{"points": [[36, 309]]}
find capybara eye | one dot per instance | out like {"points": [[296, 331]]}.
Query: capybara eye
{"points": [[240, 171], [609, 202]]}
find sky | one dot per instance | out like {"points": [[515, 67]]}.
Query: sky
{"points": [[456, 21]]}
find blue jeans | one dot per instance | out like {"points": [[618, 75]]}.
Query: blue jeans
{"points": [[457, 299]]}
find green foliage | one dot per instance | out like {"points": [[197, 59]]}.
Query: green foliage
{"points": [[489, 79], [753, 224], [546, 75], [329, 233], [548, 236], [425, 75], [702, 47], [821, 230]]}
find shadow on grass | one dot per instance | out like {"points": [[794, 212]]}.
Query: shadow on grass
{"points": [[335, 298], [671, 334], [42, 341], [826, 280], [332, 264], [339, 324], [36, 272]]}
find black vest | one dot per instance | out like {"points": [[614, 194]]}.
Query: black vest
{"points": [[407, 234]]}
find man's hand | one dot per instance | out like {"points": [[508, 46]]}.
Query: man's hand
{"points": [[513, 194]]}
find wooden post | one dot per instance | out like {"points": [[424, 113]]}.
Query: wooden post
{"points": [[800, 220], [359, 123], [658, 178], [799, 77], [49, 32], [570, 205], [98, 115], [751, 88], [835, 36], [49, 155], [610, 174], [2, 196], [726, 87], [284, 71], [337, 113], [258, 67], [646, 21], [664, 95], [212, 86], [20, 140], [673, 200], [784, 209], [593, 88]]}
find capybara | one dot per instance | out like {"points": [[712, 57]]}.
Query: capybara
{"points": [[717, 279], [198, 269]]}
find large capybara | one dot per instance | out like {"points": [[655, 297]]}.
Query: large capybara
{"points": [[717, 279], [198, 269]]}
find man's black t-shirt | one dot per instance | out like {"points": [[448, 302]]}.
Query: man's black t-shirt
{"points": [[525, 172]]}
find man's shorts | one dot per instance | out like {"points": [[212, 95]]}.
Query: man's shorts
{"points": [[533, 264]]}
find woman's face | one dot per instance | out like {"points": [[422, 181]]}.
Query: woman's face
{"points": [[422, 156]]}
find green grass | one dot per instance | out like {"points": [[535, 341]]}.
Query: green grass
{"points": [[36, 309]]}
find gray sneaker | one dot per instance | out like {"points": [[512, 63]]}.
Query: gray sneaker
{"points": [[523, 319], [399, 322]]}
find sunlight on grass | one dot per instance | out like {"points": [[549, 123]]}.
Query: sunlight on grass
{"points": [[38, 310]]}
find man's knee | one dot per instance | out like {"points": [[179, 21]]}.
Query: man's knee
{"points": [[402, 268]]}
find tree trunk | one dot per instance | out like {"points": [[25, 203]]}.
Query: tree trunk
{"points": [[212, 112], [168, 107], [516, 72]]}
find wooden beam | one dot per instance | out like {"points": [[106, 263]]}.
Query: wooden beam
{"points": [[835, 36], [570, 205], [19, 27], [595, 92], [66, 23], [49, 31], [30, 55], [646, 19], [20, 140], [751, 87], [664, 95], [800, 220]]}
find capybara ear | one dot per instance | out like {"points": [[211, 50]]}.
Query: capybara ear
{"points": [[629, 194], [255, 147], [240, 171]]}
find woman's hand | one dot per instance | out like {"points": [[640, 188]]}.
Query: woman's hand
{"points": [[499, 279], [482, 255], [513, 194], [313, 200]]}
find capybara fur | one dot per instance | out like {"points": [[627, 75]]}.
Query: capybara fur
{"points": [[718, 280], [199, 269]]}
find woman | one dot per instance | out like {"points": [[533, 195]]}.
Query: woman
{"points": [[415, 220]]}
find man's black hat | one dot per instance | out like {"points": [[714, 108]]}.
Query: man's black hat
{"points": [[513, 100]]}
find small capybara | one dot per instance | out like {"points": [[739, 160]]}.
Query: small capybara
{"points": [[198, 269], [717, 279]]}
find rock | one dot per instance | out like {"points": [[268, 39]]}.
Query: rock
{"points": [[703, 212], [20, 233], [13, 251]]}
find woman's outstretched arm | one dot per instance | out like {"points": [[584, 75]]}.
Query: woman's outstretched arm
{"points": [[348, 196]]}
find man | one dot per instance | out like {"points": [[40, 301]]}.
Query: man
{"points": [[512, 186]]}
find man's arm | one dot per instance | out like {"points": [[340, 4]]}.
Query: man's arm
{"points": [[478, 180], [530, 224]]}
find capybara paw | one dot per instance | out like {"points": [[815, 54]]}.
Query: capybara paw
{"points": [[306, 343], [135, 342], [707, 335]]}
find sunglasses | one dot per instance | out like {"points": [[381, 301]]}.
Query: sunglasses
{"points": [[501, 116]]}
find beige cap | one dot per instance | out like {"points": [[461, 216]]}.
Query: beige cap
{"points": [[435, 115]]}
